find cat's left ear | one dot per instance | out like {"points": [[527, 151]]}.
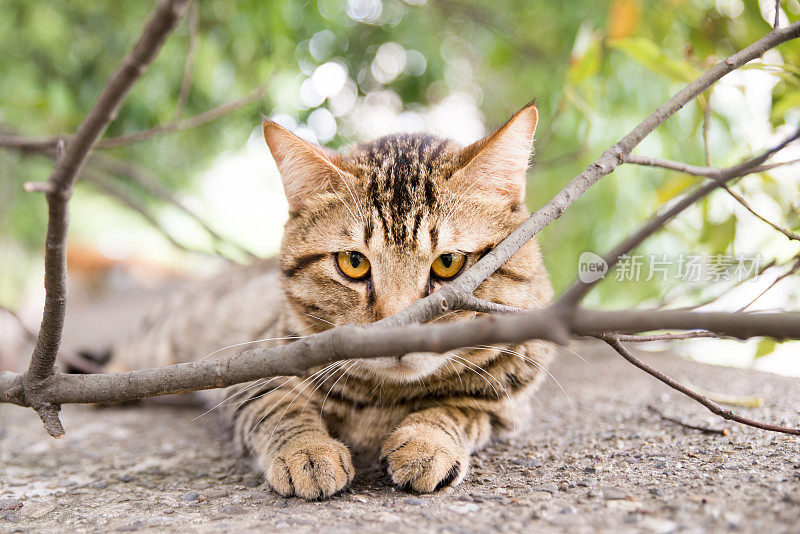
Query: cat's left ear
{"points": [[497, 163]]}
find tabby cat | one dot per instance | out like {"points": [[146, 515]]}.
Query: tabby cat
{"points": [[370, 231]]}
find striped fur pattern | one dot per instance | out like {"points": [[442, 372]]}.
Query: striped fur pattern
{"points": [[401, 201]]}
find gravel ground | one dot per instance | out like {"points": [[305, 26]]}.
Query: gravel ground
{"points": [[595, 460]]}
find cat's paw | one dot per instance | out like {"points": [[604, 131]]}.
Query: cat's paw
{"points": [[311, 469], [424, 459]]}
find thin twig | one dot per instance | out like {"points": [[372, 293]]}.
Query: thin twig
{"points": [[711, 405], [153, 186], [580, 288], [694, 170], [794, 268], [33, 144], [706, 130], [185, 124], [741, 200], [704, 429], [638, 338], [111, 189], [777, 14], [29, 334], [188, 68]]}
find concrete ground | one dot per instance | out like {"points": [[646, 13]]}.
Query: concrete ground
{"points": [[595, 459]]}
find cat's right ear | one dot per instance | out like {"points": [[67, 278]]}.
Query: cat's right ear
{"points": [[306, 169]]}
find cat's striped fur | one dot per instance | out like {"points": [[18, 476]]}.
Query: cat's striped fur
{"points": [[401, 201]]}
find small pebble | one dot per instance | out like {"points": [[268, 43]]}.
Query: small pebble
{"points": [[611, 493], [9, 504], [190, 496], [233, 509], [36, 510], [414, 501], [252, 482]]}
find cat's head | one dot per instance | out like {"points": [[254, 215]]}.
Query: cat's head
{"points": [[388, 222]]}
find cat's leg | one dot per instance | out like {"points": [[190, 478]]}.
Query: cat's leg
{"points": [[286, 434], [430, 449]]}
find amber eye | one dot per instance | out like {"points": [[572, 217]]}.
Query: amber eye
{"points": [[448, 265], [353, 264]]}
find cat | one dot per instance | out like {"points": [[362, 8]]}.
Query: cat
{"points": [[370, 231]]}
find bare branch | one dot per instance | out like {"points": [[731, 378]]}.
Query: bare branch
{"points": [[37, 145], [795, 267], [706, 130], [188, 68], [372, 341], [114, 191], [638, 338], [186, 124], [704, 429], [711, 405], [29, 334], [579, 289], [152, 185], [708, 172], [62, 179], [740, 199]]}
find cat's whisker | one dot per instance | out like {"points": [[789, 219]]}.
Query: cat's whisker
{"points": [[266, 414], [249, 343], [232, 395], [265, 393], [355, 221], [322, 383], [536, 364], [322, 406], [321, 319], [352, 195], [531, 297], [473, 366], [464, 362], [581, 358], [337, 365]]}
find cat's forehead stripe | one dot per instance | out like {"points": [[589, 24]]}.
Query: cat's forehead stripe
{"points": [[400, 173]]}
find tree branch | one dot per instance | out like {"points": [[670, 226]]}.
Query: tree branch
{"points": [[580, 288], [358, 342], [62, 180], [188, 68], [711, 405]]}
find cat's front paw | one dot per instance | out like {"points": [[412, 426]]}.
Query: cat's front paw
{"points": [[424, 459], [309, 468]]}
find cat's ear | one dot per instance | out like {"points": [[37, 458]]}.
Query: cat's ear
{"points": [[497, 163], [306, 169]]}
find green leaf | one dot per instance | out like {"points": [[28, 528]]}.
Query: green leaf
{"points": [[765, 347], [649, 55], [718, 236], [587, 65]]}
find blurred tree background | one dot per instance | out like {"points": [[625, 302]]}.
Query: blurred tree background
{"points": [[339, 71]]}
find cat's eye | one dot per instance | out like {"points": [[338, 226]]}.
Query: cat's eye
{"points": [[353, 264], [448, 265]]}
